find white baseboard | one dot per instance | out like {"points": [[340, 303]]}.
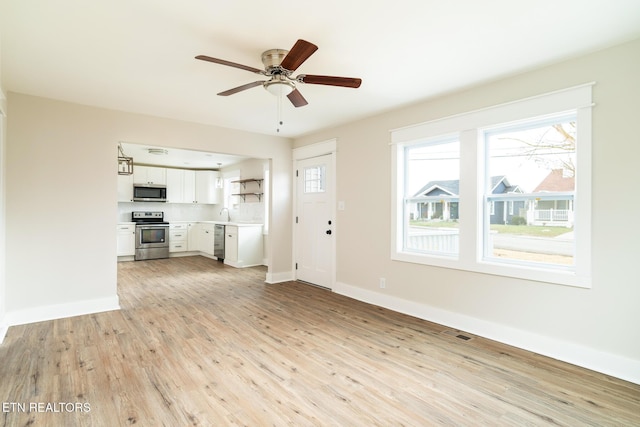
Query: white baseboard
{"points": [[586, 357], [59, 311], [286, 276], [186, 253]]}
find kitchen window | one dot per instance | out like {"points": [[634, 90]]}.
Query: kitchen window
{"points": [[229, 188], [510, 184]]}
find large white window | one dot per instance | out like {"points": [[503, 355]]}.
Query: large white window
{"points": [[504, 190]]}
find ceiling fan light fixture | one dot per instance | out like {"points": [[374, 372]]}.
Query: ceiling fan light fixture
{"points": [[279, 87]]}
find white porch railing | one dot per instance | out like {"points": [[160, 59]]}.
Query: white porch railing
{"points": [[433, 240], [551, 215]]}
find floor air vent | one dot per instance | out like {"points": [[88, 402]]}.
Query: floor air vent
{"points": [[457, 334]]}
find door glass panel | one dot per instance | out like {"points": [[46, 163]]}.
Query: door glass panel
{"points": [[314, 179]]}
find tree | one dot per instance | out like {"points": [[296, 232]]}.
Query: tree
{"points": [[553, 146]]}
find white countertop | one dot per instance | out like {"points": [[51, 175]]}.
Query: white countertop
{"points": [[237, 224]]}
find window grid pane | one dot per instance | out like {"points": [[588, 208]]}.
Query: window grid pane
{"points": [[314, 179]]}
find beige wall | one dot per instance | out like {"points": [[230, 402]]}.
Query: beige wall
{"points": [[61, 197], [594, 327]]}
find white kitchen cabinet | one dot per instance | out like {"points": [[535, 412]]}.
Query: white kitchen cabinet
{"points": [[125, 188], [206, 241], [178, 237], [126, 235], [181, 186], [243, 245], [206, 191], [193, 236], [189, 186], [231, 245], [149, 175]]}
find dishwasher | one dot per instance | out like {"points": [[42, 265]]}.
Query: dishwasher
{"points": [[218, 242]]}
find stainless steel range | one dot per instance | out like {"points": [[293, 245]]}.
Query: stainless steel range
{"points": [[152, 235]]}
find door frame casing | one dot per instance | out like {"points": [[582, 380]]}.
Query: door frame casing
{"points": [[328, 147]]}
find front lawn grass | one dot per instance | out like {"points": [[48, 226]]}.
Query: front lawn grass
{"points": [[522, 230], [530, 230]]}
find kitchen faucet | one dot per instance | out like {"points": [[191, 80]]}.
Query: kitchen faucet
{"points": [[228, 213]]}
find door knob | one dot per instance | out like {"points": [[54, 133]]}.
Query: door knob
{"points": [[328, 231]]}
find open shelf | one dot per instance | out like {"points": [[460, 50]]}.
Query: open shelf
{"points": [[243, 183], [244, 195]]}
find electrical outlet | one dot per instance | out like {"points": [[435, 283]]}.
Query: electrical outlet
{"points": [[383, 283]]}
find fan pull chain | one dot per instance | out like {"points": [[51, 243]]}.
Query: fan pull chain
{"points": [[279, 112]]}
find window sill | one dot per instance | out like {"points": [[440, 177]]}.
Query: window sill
{"points": [[534, 273]]}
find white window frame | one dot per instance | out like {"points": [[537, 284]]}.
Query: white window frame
{"points": [[228, 200], [472, 157], [266, 196]]}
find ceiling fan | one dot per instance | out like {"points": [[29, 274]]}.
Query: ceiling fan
{"points": [[279, 65]]}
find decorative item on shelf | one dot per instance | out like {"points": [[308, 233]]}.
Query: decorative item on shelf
{"points": [[125, 164]]}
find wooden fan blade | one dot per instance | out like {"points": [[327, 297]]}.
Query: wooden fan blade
{"points": [[297, 99], [330, 80], [241, 88], [230, 64], [299, 53]]}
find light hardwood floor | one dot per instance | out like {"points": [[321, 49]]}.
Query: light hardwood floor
{"points": [[200, 343]]}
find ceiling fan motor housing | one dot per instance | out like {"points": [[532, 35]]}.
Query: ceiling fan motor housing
{"points": [[279, 83], [272, 58]]}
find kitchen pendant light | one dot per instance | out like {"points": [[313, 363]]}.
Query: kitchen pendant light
{"points": [[125, 164], [219, 183]]}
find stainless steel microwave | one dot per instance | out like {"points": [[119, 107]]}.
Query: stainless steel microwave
{"points": [[149, 193]]}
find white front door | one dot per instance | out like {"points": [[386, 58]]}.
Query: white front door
{"points": [[314, 221]]}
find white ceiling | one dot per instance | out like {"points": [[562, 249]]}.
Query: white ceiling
{"points": [[138, 55]]}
